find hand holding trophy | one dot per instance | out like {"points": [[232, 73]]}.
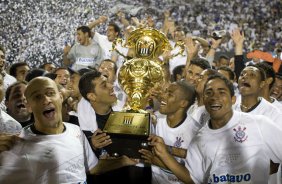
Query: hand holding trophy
{"points": [[130, 129]]}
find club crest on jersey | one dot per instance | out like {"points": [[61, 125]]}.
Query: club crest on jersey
{"points": [[240, 134], [178, 142]]}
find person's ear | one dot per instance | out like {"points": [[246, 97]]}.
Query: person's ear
{"points": [[262, 84], [61, 96], [91, 97], [184, 103], [233, 99], [269, 80]]}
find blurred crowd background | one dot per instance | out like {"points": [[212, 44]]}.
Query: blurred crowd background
{"points": [[36, 31]]}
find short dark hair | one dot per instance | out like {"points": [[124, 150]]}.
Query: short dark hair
{"points": [[86, 85], [61, 68], [116, 28], [210, 71], [269, 72], [110, 61], [9, 89], [223, 56], [261, 71], [80, 72], [44, 64], [228, 84], [227, 69], [33, 73], [177, 71], [13, 68], [189, 91], [84, 29], [200, 62]]}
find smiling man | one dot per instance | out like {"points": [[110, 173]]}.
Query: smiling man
{"points": [[232, 147], [51, 151], [176, 127]]}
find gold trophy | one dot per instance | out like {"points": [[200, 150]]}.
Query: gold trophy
{"points": [[130, 129]]}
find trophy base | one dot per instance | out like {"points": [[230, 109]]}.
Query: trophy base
{"points": [[129, 133], [127, 145]]}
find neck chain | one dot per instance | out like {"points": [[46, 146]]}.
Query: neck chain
{"points": [[246, 109]]}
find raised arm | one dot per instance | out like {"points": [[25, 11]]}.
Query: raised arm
{"points": [[66, 61], [97, 22], [210, 55], [238, 39]]}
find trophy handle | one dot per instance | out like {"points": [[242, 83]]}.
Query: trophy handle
{"points": [[180, 44], [115, 42]]}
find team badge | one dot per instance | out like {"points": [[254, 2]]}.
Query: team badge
{"points": [[178, 142], [240, 134]]}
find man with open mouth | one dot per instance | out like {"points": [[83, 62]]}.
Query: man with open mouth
{"points": [[16, 103], [232, 146], [50, 150]]}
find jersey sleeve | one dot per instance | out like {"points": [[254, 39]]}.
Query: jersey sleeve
{"points": [[272, 136], [194, 163], [71, 54], [90, 159]]}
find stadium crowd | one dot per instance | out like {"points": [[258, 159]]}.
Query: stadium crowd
{"points": [[36, 31]]}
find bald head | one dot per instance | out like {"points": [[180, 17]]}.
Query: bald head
{"points": [[39, 83], [45, 101]]}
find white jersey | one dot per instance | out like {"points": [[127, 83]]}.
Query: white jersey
{"points": [[61, 158], [106, 46], [84, 56], [180, 137], [8, 125], [86, 116], [277, 104], [177, 60], [267, 109], [239, 152], [8, 81], [200, 114]]}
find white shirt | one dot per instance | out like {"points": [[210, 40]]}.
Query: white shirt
{"points": [[8, 81], [177, 60], [240, 151], [199, 113], [106, 46], [267, 109], [61, 158], [180, 137], [86, 116], [277, 104], [84, 56], [8, 124]]}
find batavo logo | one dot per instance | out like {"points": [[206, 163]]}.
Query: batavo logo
{"points": [[229, 178]]}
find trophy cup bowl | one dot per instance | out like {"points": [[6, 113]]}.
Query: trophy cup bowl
{"points": [[130, 129]]}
